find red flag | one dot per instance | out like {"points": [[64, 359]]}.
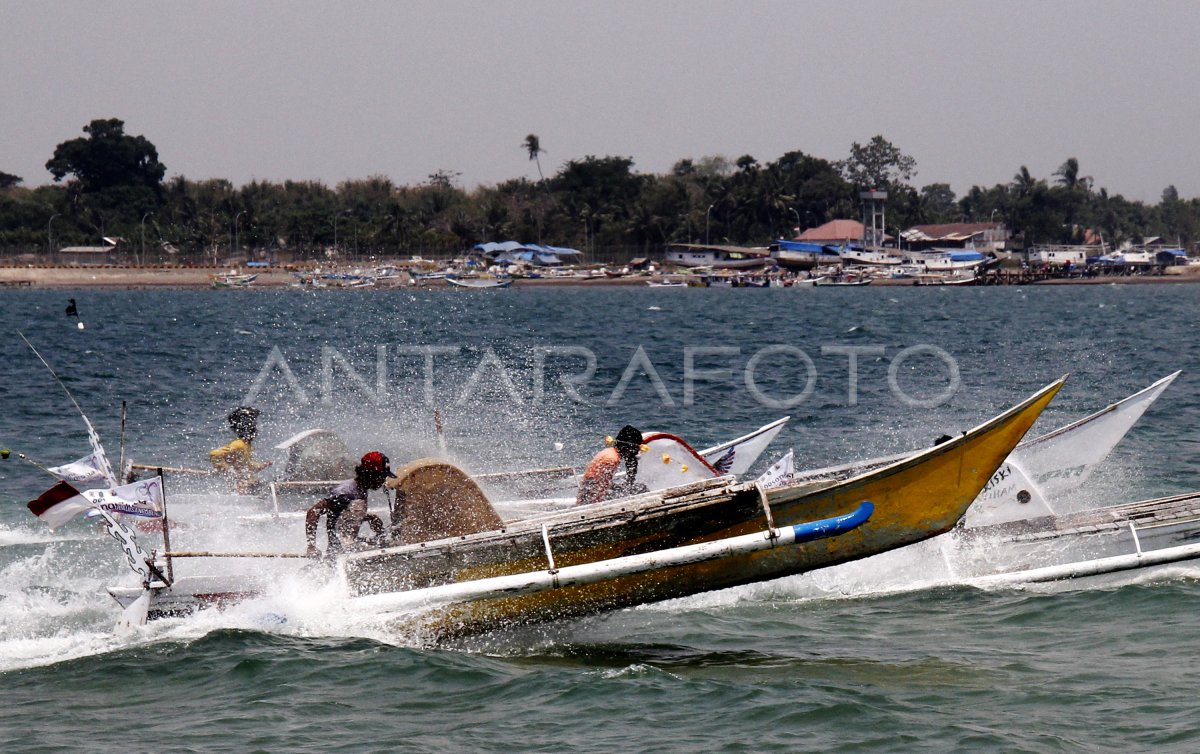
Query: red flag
{"points": [[59, 504]]}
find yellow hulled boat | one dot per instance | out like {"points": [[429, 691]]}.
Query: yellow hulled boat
{"points": [[473, 572]]}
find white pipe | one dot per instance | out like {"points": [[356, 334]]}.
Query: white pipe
{"points": [[589, 573], [1096, 567]]}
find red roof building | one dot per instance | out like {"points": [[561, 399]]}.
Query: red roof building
{"points": [[833, 232]]}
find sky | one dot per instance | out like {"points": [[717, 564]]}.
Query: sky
{"points": [[331, 91]]}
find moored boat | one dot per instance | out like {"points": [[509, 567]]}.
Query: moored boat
{"points": [[848, 281]]}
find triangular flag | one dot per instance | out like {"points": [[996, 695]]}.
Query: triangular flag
{"points": [[781, 472]]}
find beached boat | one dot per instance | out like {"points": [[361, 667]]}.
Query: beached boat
{"points": [[874, 257], [947, 260], [452, 553], [803, 255], [716, 257], [479, 283], [233, 280]]}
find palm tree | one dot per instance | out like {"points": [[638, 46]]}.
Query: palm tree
{"points": [[1023, 182], [1068, 173], [533, 145]]}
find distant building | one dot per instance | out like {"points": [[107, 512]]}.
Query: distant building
{"points": [[982, 237], [111, 244], [1061, 254]]}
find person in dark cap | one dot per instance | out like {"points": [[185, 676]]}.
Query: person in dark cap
{"points": [[236, 460], [597, 483], [345, 507]]}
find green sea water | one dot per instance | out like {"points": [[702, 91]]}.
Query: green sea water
{"points": [[536, 378]]}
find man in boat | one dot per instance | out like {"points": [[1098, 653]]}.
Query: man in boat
{"points": [[597, 483], [345, 507], [236, 461]]}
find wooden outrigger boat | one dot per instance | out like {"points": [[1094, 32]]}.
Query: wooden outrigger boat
{"points": [[455, 567], [458, 282], [1013, 534], [1089, 543], [233, 280]]}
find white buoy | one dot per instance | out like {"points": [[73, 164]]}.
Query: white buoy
{"points": [[81, 326]]}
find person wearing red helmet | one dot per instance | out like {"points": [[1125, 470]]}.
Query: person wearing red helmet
{"points": [[345, 507]]}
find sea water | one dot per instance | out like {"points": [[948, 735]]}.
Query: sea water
{"points": [[535, 378]]}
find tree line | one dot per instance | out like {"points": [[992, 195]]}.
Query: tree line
{"points": [[110, 183]]}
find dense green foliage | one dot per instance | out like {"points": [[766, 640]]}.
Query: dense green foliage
{"points": [[114, 187]]}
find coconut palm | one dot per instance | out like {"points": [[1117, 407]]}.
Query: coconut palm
{"points": [[1068, 173], [1023, 182], [533, 145]]}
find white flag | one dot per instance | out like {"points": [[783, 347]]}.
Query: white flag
{"points": [[142, 498], [780, 474], [87, 469]]}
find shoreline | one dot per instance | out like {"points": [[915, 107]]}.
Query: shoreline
{"points": [[27, 277]]}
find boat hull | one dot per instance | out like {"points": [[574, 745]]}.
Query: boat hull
{"points": [[914, 499], [478, 283], [1079, 545]]}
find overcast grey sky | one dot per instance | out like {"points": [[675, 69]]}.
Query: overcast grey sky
{"points": [[335, 90]]}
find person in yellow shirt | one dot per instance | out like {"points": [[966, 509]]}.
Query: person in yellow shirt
{"points": [[236, 461]]}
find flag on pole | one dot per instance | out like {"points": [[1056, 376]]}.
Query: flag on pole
{"points": [[780, 473], [87, 469], [142, 498], [59, 504]]}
